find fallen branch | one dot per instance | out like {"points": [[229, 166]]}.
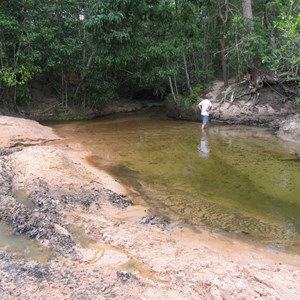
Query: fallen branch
{"points": [[288, 90]]}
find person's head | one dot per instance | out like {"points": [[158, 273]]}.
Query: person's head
{"points": [[209, 96]]}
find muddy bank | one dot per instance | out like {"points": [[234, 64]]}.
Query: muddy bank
{"points": [[106, 243], [269, 106], [237, 105], [289, 128]]}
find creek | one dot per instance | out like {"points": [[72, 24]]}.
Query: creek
{"points": [[239, 180]]}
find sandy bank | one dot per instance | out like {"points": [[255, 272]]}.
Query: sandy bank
{"points": [[102, 249]]}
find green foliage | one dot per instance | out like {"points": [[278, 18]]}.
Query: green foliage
{"points": [[113, 48], [245, 47], [190, 100], [125, 42], [24, 96], [56, 106], [19, 75], [197, 91], [169, 102], [286, 55], [99, 92], [186, 101]]}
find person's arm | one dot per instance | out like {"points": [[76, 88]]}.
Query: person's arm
{"points": [[200, 105]]}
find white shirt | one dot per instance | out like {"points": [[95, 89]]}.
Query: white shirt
{"points": [[205, 106]]}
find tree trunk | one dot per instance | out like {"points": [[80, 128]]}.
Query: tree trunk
{"points": [[62, 87], [247, 12], [223, 57], [175, 84], [88, 65], [172, 91], [66, 94], [15, 97], [187, 75], [223, 16]]}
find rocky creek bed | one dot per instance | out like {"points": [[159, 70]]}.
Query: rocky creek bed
{"points": [[106, 243]]}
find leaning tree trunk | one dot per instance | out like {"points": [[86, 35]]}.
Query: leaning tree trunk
{"points": [[172, 91], [187, 75]]}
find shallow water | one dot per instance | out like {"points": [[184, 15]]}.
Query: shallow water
{"points": [[236, 179], [109, 256], [21, 246], [22, 197]]}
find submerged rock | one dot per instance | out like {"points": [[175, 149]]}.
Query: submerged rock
{"points": [[117, 200], [156, 220]]}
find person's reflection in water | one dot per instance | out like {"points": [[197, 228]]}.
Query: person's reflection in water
{"points": [[203, 146]]}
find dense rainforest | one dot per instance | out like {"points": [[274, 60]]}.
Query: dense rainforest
{"points": [[145, 207], [84, 53]]}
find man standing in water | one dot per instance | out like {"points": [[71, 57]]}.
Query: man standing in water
{"points": [[205, 107]]}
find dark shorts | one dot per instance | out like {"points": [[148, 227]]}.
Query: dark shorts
{"points": [[205, 120]]}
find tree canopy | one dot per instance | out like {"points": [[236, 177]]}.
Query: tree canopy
{"points": [[92, 51]]}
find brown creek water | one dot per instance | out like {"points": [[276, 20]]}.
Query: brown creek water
{"points": [[239, 180]]}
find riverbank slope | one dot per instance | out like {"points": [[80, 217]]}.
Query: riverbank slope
{"points": [[267, 107], [105, 242]]}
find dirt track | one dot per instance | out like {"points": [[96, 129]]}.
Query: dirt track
{"points": [[104, 246]]}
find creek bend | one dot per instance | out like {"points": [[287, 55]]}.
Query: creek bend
{"points": [[239, 180]]}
